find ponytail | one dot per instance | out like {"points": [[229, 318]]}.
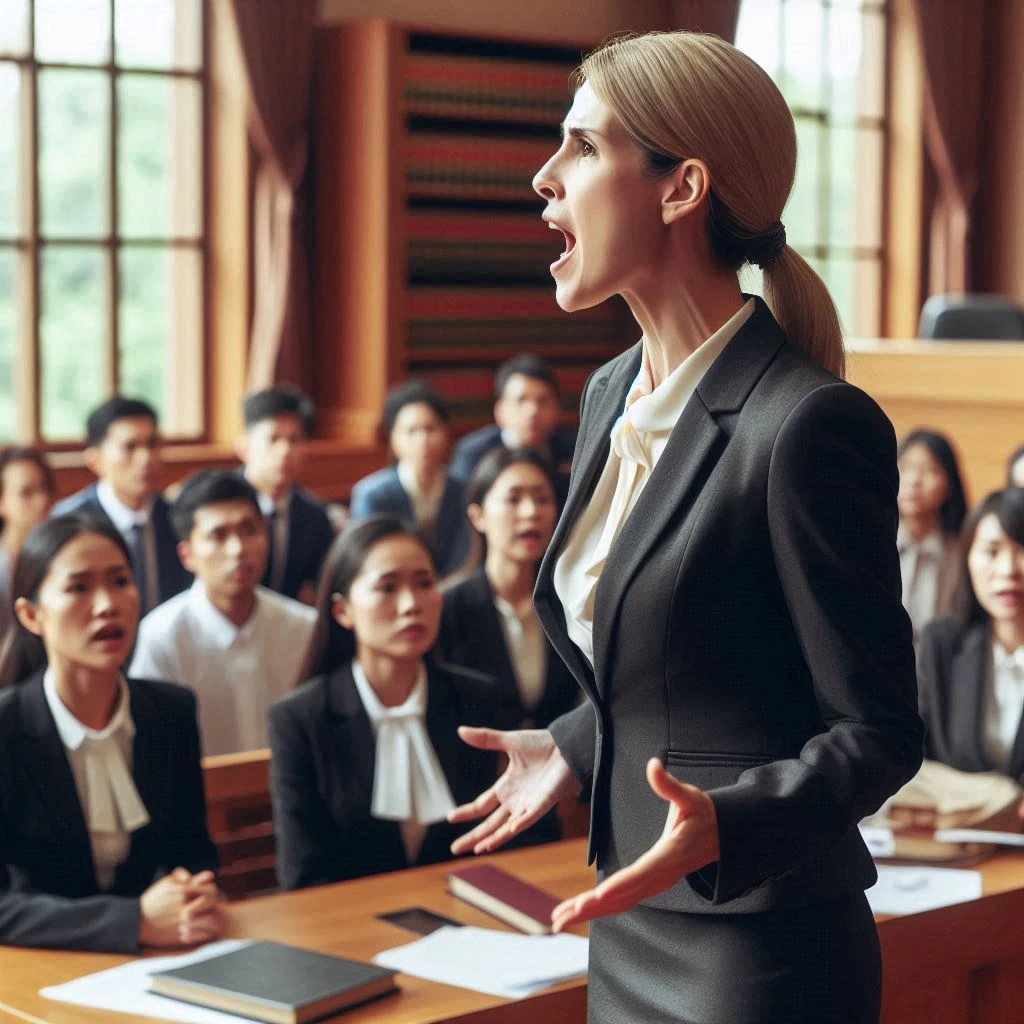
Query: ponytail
{"points": [[801, 303]]}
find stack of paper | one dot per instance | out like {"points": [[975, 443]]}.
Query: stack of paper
{"points": [[911, 890], [498, 963]]}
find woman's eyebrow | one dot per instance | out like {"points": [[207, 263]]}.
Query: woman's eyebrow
{"points": [[576, 131]]}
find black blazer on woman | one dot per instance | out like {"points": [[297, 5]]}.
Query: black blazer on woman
{"points": [[321, 776], [471, 636], [48, 890], [952, 670], [748, 628]]}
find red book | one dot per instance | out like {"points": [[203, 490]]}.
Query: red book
{"points": [[509, 899]]}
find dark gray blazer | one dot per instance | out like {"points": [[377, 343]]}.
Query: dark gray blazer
{"points": [[321, 776], [748, 629], [48, 891], [953, 667]]}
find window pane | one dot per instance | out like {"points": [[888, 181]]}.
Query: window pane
{"points": [[14, 27], [74, 126], [871, 79], [159, 124], [161, 320], [10, 157], [840, 278], [73, 334], [867, 318], [8, 332], [844, 32], [75, 31], [757, 33], [158, 33], [803, 42], [855, 203], [801, 214]]}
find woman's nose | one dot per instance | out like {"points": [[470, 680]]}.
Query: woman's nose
{"points": [[407, 599], [546, 184]]}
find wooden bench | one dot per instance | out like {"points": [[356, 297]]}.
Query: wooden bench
{"points": [[239, 820]]}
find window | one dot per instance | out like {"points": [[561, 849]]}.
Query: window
{"points": [[102, 226], [828, 57]]}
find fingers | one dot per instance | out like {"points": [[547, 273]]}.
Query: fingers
{"points": [[470, 841], [201, 905], [667, 787], [483, 804], [203, 884], [181, 876], [512, 827], [483, 739]]}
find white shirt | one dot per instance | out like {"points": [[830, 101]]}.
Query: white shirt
{"points": [[409, 785], [279, 540], [236, 672], [425, 504], [1004, 706], [100, 763], [527, 648], [928, 569], [638, 439], [125, 520]]}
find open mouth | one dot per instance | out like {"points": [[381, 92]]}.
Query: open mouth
{"points": [[109, 634], [529, 535], [570, 244]]}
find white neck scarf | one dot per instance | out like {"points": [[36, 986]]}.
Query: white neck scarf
{"points": [[408, 782]]}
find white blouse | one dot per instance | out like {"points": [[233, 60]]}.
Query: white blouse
{"points": [[1003, 706], [527, 650], [638, 439], [929, 571]]}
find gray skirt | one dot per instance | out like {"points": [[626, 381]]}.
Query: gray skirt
{"points": [[809, 965]]}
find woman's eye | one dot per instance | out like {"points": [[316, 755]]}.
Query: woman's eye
{"points": [[585, 148], [123, 581]]}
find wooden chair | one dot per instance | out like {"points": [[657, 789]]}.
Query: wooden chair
{"points": [[239, 819]]}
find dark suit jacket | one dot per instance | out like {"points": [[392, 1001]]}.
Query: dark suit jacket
{"points": [[473, 447], [173, 577], [748, 629], [310, 536], [48, 891], [953, 666], [321, 776], [383, 492]]}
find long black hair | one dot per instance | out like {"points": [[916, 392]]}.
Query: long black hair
{"points": [[954, 508], [23, 653], [332, 645], [1008, 507]]}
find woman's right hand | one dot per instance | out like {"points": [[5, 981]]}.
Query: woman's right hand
{"points": [[536, 778], [181, 909]]}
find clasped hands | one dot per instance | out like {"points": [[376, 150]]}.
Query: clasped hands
{"points": [[537, 777], [181, 909]]}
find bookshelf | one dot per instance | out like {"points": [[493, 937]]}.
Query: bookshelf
{"points": [[430, 255]]}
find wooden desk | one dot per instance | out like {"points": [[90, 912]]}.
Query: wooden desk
{"points": [[951, 966]]}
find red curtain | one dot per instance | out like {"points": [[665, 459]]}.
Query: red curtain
{"points": [[952, 44], [277, 48], [718, 16]]}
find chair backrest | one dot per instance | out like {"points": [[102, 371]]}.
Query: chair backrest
{"points": [[240, 822], [971, 318]]}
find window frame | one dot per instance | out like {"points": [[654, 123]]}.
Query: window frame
{"points": [[30, 244]]}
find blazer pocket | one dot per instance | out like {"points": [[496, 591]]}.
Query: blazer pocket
{"points": [[711, 770]]}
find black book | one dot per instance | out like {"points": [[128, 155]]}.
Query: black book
{"points": [[275, 983]]}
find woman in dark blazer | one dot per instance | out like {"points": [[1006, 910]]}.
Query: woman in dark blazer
{"points": [[489, 622], [418, 486], [103, 840], [724, 580], [971, 664], [338, 811]]}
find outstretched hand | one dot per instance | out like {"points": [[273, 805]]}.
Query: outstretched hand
{"points": [[688, 842], [536, 778]]}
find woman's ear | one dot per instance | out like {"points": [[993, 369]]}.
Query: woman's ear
{"points": [[475, 515], [685, 190], [339, 611], [28, 615]]}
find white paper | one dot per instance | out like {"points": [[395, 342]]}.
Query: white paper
{"points": [[879, 841], [911, 890], [125, 989], [978, 835], [485, 960]]}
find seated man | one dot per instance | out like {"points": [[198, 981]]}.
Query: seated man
{"points": [[278, 423], [526, 413], [238, 645], [124, 453]]}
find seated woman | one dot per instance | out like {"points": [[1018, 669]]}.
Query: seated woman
{"points": [[366, 759], [971, 665], [26, 495], [932, 506], [103, 841], [417, 486]]}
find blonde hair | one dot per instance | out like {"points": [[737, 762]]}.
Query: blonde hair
{"points": [[687, 95]]}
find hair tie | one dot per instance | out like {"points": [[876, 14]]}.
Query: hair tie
{"points": [[763, 248]]}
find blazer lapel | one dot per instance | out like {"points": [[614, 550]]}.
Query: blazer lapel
{"points": [[489, 636], [605, 402], [144, 772], [970, 671], [696, 442], [54, 781], [350, 731]]}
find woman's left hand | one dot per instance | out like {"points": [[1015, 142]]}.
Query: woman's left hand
{"points": [[688, 843]]}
